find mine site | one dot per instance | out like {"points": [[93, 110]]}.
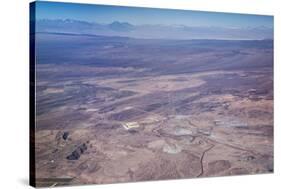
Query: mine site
{"points": [[121, 109]]}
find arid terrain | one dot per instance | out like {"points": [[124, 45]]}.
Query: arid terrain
{"points": [[118, 109]]}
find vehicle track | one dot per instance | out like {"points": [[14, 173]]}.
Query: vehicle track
{"points": [[202, 159]]}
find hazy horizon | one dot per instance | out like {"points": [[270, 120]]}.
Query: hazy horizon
{"points": [[150, 23], [148, 16]]}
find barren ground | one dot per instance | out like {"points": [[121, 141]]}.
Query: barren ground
{"points": [[149, 110]]}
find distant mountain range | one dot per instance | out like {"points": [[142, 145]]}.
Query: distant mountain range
{"points": [[126, 29]]}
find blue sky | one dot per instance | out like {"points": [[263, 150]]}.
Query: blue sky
{"points": [[140, 16]]}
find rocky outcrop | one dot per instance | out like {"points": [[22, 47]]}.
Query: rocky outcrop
{"points": [[75, 155], [65, 135]]}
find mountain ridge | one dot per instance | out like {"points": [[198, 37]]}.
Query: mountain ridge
{"points": [[125, 29]]}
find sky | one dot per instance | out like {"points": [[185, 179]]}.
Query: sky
{"points": [[141, 16]]}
